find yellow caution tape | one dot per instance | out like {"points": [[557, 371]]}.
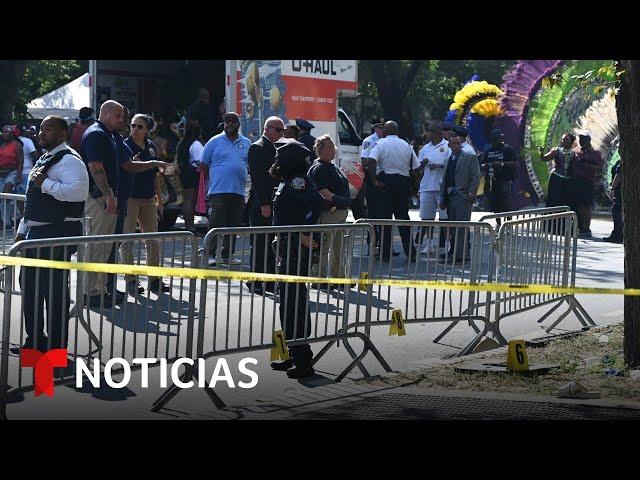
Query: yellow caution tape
{"points": [[211, 274], [363, 276]]}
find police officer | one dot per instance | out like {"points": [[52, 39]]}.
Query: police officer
{"points": [[305, 136], [370, 192], [393, 163], [57, 189], [296, 202]]}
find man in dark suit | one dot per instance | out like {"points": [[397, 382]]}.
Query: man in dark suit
{"points": [[458, 191], [261, 158]]}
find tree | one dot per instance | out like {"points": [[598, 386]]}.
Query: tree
{"points": [[628, 109], [24, 80], [11, 75], [410, 91]]}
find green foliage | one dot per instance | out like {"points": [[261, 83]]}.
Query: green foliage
{"points": [[430, 92], [43, 76]]}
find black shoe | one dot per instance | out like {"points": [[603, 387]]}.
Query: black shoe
{"points": [[134, 287], [301, 372], [158, 286], [396, 253], [282, 366], [28, 343], [322, 286], [94, 301]]}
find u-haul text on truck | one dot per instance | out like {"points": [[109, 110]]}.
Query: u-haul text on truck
{"points": [[291, 89]]}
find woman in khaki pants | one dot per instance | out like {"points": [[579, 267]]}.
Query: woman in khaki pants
{"points": [[333, 186], [145, 202]]}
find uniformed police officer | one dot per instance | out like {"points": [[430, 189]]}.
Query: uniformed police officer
{"points": [[370, 192], [393, 163], [305, 136], [296, 202]]}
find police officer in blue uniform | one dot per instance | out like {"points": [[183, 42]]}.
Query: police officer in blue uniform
{"points": [[305, 136], [296, 202]]}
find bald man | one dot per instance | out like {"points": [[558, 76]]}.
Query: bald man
{"points": [[261, 158], [392, 164], [100, 153]]}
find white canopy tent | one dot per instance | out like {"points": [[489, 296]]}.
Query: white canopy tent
{"points": [[65, 101]]}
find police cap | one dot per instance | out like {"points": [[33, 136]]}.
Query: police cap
{"points": [[377, 122], [448, 126], [303, 124], [291, 157]]}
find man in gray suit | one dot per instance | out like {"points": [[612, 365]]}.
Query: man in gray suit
{"points": [[458, 190]]}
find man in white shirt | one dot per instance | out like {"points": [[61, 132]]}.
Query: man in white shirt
{"points": [[432, 158], [58, 186], [393, 162]]}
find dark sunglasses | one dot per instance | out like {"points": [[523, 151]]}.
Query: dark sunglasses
{"points": [[277, 129], [137, 125]]}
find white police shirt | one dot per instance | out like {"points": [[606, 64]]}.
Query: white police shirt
{"points": [[368, 145], [436, 154], [394, 156]]}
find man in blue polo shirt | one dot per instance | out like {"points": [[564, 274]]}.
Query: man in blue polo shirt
{"points": [[100, 152], [225, 157]]}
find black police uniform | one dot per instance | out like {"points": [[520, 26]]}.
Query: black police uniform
{"points": [[306, 138], [296, 202]]}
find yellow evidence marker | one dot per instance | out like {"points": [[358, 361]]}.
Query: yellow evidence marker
{"points": [[279, 351], [397, 325], [517, 359]]}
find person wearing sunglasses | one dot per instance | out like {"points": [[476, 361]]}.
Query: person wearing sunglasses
{"points": [[145, 201], [261, 157], [224, 159]]}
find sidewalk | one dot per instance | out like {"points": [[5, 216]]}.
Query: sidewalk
{"points": [[354, 401]]}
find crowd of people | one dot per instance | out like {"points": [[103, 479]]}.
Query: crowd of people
{"points": [[109, 169]]}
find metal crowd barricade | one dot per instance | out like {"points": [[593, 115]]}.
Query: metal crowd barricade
{"points": [[523, 214], [471, 262], [234, 318], [11, 207], [156, 325], [538, 250]]}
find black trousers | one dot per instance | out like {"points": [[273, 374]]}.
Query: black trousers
{"points": [[35, 297], [295, 316], [261, 249], [394, 203], [616, 212], [226, 211], [357, 204]]}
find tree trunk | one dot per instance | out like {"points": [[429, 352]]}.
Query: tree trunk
{"points": [[628, 109], [393, 84], [11, 73]]}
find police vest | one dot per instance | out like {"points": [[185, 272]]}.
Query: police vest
{"points": [[42, 207]]}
